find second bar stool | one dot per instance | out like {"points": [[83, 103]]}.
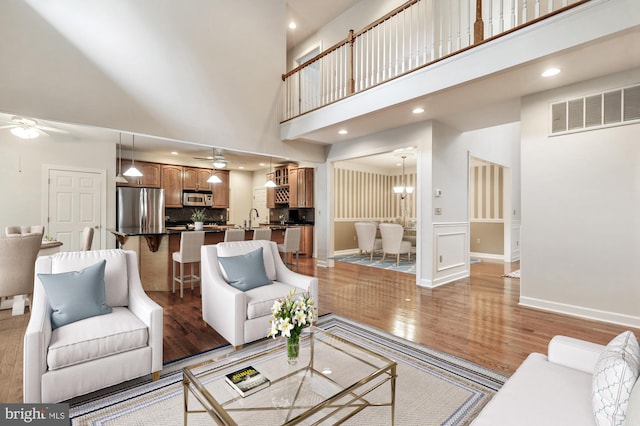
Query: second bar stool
{"points": [[190, 243]]}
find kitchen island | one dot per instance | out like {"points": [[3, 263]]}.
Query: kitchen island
{"points": [[154, 249]]}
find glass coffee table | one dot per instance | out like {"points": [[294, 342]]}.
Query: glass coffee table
{"points": [[332, 381]]}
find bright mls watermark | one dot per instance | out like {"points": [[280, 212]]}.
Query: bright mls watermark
{"points": [[34, 414]]}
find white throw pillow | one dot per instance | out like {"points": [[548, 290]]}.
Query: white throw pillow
{"points": [[633, 411], [615, 374]]}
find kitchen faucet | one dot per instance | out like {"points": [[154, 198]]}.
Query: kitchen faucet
{"points": [[257, 215]]}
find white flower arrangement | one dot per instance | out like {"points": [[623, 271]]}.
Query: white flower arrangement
{"points": [[290, 316]]}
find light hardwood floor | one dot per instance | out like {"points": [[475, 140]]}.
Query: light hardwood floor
{"points": [[477, 318]]}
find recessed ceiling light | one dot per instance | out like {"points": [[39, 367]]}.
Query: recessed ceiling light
{"points": [[241, 167], [551, 72], [292, 25], [343, 132], [174, 153], [418, 110], [262, 164]]}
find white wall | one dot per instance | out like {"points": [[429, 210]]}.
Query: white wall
{"points": [[181, 70], [355, 18], [21, 174], [240, 196], [580, 203]]}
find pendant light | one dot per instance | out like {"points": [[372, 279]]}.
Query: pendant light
{"points": [[270, 183], [119, 178], [132, 171], [403, 190], [214, 178]]}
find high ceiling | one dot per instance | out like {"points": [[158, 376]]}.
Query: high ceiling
{"points": [[489, 101]]}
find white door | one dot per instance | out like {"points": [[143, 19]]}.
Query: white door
{"points": [[75, 199], [260, 203]]}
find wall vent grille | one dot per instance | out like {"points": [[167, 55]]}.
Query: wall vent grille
{"points": [[612, 108]]}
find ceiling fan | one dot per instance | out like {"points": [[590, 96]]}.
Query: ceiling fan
{"points": [[219, 162], [26, 128]]}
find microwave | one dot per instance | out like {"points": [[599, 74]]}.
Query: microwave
{"points": [[190, 199]]}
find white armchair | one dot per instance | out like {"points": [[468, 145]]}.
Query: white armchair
{"points": [[95, 352], [243, 316]]}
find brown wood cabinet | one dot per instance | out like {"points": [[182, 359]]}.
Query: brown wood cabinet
{"points": [[172, 185], [150, 178], [271, 193], [195, 179], [221, 190], [301, 188], [306, 240]]}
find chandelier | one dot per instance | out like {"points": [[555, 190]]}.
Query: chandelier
{"points": [[403, 190]]}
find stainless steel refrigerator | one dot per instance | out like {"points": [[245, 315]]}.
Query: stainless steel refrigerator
{"points": [[140, 210]]}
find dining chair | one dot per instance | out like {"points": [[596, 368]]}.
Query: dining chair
{"points": [[262, 234], [18, 255], [367, 241], [21, 230], [290, 245], [392, 242], [233, 235], [190, 243], [87, 238]]}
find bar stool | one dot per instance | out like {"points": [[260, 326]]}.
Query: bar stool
{"points": [[262, 234], [233, 235], [291, 245], [190, 243]]}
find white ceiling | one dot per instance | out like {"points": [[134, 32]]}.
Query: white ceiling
{"points": [[485, 102]]}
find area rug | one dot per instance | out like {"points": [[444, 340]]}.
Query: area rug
{"points": [[388, 264], [432, 388], [513, 274]]}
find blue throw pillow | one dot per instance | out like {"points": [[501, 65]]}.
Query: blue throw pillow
{"points": [[245, 271], [76, 295]]}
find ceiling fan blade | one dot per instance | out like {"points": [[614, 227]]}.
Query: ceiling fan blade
{"points": [[8, 126], [51, 129]]}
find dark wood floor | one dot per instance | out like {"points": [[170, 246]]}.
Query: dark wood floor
{"points": [[477, 318]]}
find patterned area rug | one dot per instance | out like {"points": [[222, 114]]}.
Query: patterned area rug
{"points": [[432, 388], [514, 274], [389, 262]]}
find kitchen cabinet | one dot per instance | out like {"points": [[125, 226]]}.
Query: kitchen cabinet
{"points": [[172, 185], [271, 193], [301, 188], [306, 240], [221, 190], [195, 179], [150, 178]]}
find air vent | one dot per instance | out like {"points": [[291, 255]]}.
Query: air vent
{"points": [[611, 108]]}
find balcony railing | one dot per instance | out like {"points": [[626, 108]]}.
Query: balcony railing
{"points": [[411, 37]]}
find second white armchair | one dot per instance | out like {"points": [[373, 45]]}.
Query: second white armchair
{"points": [[243, 316]]}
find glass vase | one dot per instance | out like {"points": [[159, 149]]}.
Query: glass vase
{"points": [[293, 349]]}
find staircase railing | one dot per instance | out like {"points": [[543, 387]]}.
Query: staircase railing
{"points": [[414, 35]]}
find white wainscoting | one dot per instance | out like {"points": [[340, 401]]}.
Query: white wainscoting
{"points": [[515, 241], [451, 252]]}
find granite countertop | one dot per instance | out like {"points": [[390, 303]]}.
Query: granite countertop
{"points": [[176, 229]]}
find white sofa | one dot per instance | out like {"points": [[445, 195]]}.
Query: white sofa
{"points": [[243, 316], [95, 352], [553, 390]]}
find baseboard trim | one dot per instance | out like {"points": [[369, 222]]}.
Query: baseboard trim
{"points": [[443, 280], [488, 256], [579, 311]]}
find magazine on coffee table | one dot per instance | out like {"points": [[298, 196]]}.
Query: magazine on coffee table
{"points": [[247, 381]]}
